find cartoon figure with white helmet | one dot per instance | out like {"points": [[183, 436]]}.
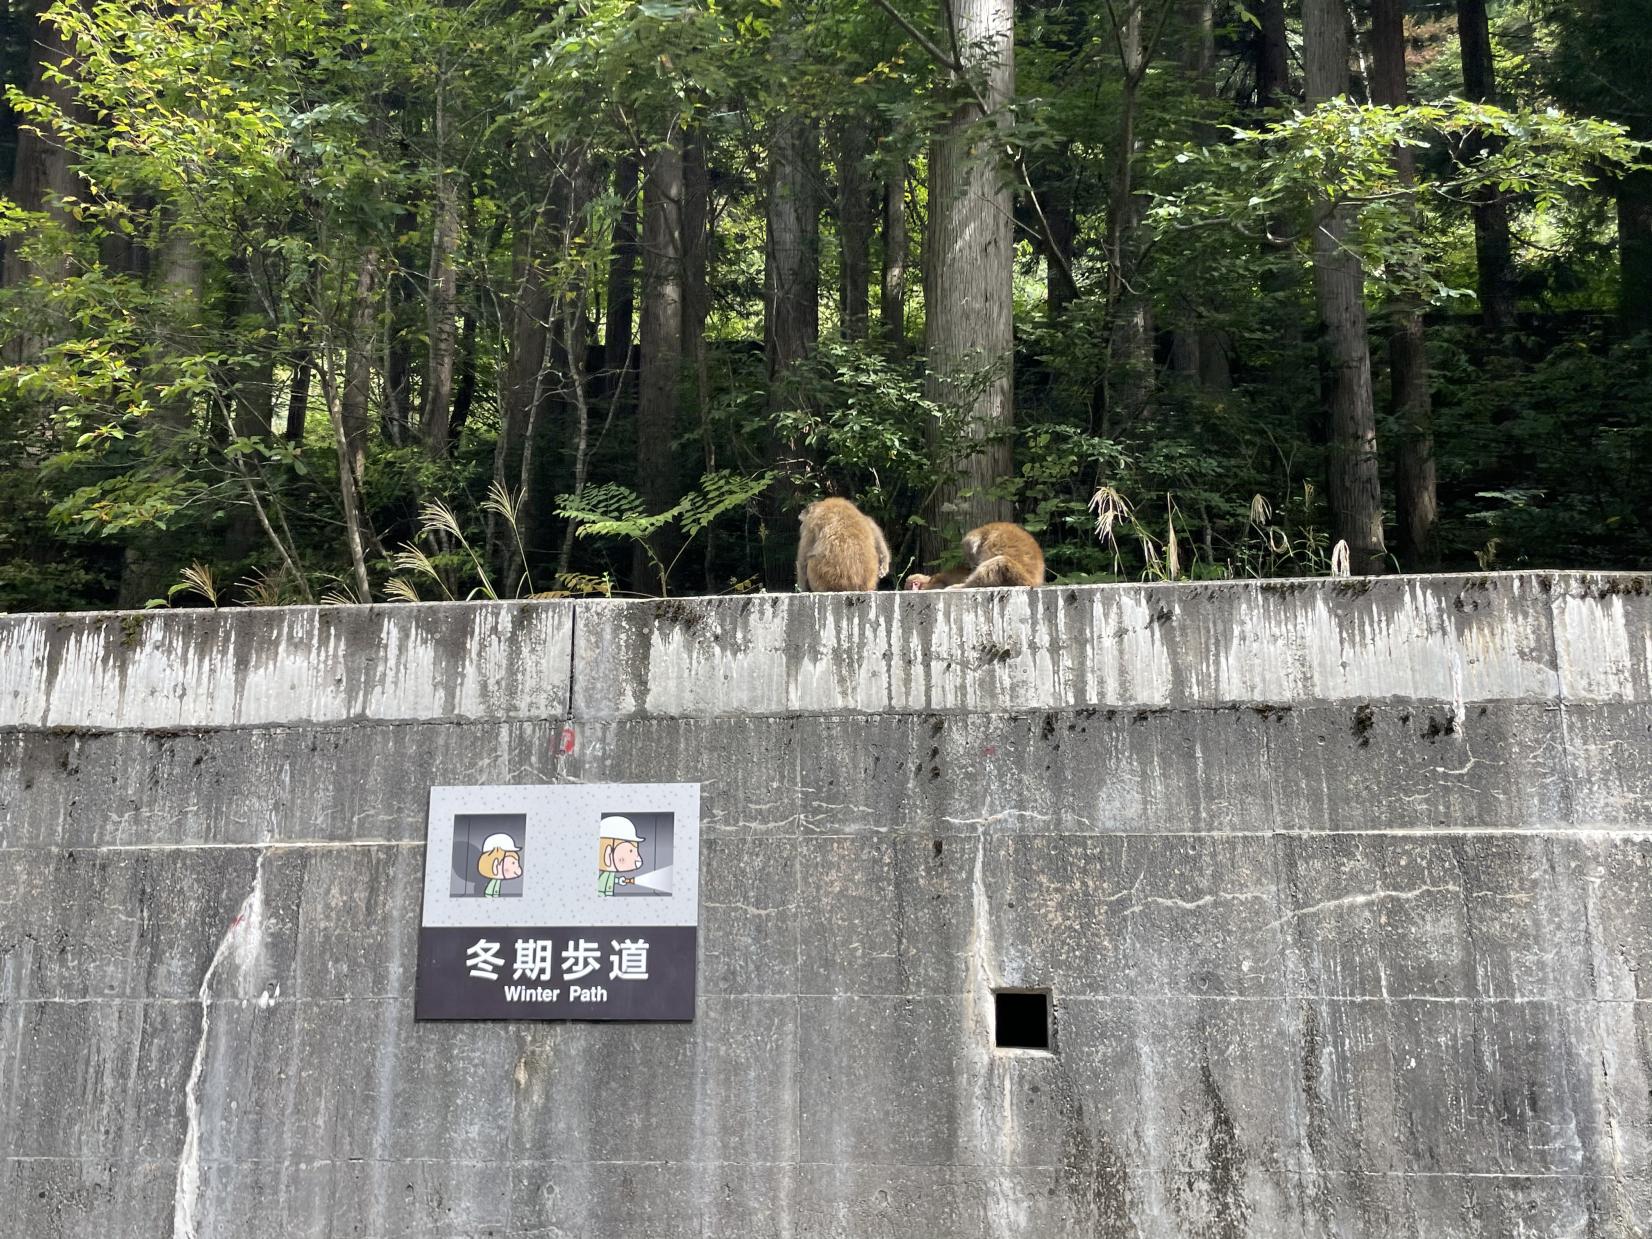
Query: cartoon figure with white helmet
{"points": [[501, 860], [617, 853]]}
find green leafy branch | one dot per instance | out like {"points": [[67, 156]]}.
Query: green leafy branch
{"points": [[615, 511]]}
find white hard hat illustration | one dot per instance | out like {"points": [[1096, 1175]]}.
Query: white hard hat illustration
{"points": [[617, 827], [498, 841]]}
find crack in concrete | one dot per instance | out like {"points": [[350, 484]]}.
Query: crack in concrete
{"points": [[1200, 902], [1354, 901], [241, 935]]}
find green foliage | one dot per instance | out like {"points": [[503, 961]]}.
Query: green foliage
{"points": [[615, 511], [1569, 439], [1060, 465], [254, 213], [857, 423], [1341, 153], [1597, 53]]}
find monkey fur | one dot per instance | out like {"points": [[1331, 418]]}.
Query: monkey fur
{"points": [[995, 555], [946, 578], [841, 548]]}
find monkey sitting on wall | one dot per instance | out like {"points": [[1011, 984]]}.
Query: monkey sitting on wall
{"points": [[998, 554], [841, 548]]}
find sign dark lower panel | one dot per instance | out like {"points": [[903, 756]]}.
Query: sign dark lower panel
{"points": [[556, 973]]}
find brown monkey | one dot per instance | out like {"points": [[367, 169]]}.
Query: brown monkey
{"points": [[841, 548], [994, 555], [1002, 554]]}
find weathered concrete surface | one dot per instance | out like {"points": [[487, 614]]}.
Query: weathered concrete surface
{"points": [[1344, 892]]}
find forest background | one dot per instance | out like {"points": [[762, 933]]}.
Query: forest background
{"points": [[315, 300]]}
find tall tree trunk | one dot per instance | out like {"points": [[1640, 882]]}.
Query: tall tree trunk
{"points": [[400, 299], [579, 388], [1281, 275], [969, 270], [791, 306], [358, 364], [523, 381], [696, 275], [1055, 191], [42, 172], [619, 301], [1130, 309], [1635, 250], [464, 394], [298, 394], [1415, 489], [662, 337], [1354, 490], [124, 255], [562, 342], [180, 276], [252, 381], [578, 184], [1198, 44], [348, 492], [1358, 87], [42, 175], [443, 297], [854, 218], [399, 394], [1493, 248], [1273, 64], [791, 303], [1198, 352], [528, 332], [249, 399], [892, 306]]}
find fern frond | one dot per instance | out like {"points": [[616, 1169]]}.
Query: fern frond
{"points": [[613, 511], [718, 493], [582, 584], [610, 500]]}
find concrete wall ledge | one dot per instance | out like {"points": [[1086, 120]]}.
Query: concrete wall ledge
{"points": [[1535, 637]]}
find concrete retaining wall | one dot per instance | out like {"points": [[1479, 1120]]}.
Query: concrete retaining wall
{"points": [[1343, 891]]}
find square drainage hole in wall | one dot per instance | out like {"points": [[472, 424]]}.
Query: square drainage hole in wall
{"points": [[1021, 1019]]}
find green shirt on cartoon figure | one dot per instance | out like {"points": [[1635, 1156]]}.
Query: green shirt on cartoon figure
{"points": [[617, 853]]}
